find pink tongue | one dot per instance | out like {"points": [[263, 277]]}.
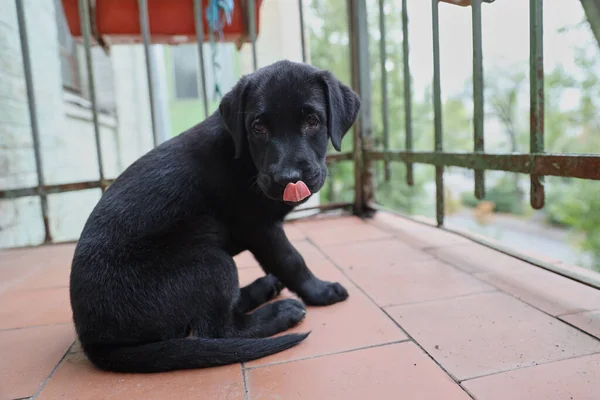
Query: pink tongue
{"points": [[295, 192]]}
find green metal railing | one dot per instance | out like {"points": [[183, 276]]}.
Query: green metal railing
{"points": [[536, 163]]}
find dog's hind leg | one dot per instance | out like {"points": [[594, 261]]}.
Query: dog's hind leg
{"points": [[258, 293], [270, 319]]}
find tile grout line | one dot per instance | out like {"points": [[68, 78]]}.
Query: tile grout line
{"points": [[245, 382], [35, 326], [373, 346], [458, 296], [527, 367], [390, 317], [43, 385]]}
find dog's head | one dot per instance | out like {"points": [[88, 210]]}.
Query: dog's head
{"points": [[283, 116]]}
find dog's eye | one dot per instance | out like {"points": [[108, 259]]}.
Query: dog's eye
{"points": [[312, 121], [259, 128]]}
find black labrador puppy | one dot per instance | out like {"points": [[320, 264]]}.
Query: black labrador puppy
{"points": [[153, 284]]}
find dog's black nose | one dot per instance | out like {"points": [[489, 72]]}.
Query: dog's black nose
{"points": [[287, 175]]}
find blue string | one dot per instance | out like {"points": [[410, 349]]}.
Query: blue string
{"points": [[215, 26]]}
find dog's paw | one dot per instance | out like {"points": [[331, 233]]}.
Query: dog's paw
{"points": [[322, 293], [273, 286], [289, 311]]}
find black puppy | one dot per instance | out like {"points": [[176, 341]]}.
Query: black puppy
{"points": [[153, 283]]}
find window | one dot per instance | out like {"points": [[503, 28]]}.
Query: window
{"points": [[69, 62], [185, 71]]}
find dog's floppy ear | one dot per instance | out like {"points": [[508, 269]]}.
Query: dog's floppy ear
{"points": [[342, 108], [233, 113]]}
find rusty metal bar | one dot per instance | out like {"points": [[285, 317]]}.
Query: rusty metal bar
{"points": [[337, 157], [407, 92], [302, 32], [35, 129], [84, 19], [582, 166], [536, 93], [252, 29], [199, 19], [478, 98], [384, 87], [53, 189], [145, 27], [361, 82], [437, 109]]}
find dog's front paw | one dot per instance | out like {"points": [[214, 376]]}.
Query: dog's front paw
{"points": [[322, 293], [273, 285]]}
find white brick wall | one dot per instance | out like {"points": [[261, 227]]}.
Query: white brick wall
{"points": [[66, 131]]}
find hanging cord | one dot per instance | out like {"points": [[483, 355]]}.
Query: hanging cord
{"points": [[218, 13]]}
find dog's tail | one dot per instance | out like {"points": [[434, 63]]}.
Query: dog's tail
{"points": [[188, 353]]}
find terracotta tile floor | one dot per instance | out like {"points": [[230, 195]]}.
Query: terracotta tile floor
{"points": [[431, 315]]}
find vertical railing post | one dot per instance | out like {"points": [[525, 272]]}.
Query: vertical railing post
{"points": [[252, 29], [84, 19], [478, 98], [536, 93], [384, 89], [145, 28], [199, 19], [35, 130], [437, 109], [407, 92], [302, 32], [361, 82]]}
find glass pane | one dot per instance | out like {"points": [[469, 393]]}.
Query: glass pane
{"points": [[185, 69]]}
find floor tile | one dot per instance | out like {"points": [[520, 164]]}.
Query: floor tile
{"points": [[586, 321], [24, 308], [387, 252], [29, 355], [344, 230], [489, 333], [293, 232], [415, 282], [52, 276], [416, 234], [245, 260], [387, 372], [475, 258], [577, 378], [351, 324], [545, 290], [76, 378], [19, 264]]}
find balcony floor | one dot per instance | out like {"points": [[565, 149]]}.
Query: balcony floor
{"points": [[431, 315]]}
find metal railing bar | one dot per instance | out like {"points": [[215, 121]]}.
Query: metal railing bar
{"points": [[536, 93], [407, 92], [75, 186], [478, 97], [579, 274], [384, 87], [302, 30], [35, 129], [145, 28], [579, 166], [199, 19], [437, 109], [334, 158], [252, 29], [53, 189], [84, 19]]}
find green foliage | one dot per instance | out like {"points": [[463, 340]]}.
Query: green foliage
{"points": [[504, 195], [577, 205]]}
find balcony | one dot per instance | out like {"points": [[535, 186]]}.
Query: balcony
{"points": [[431, 315], [433, 312]]}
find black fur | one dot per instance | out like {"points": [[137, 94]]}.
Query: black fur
{"points": [[153, 283]]}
